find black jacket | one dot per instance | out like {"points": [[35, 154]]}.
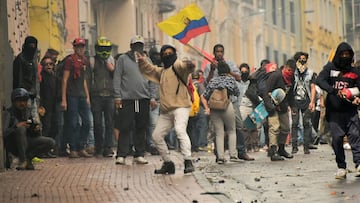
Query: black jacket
{"points": [[48, 94], [275, 80], [333, 78], [25, 74]]}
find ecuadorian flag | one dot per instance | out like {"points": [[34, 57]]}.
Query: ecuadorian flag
{"points": [[185, 25]]}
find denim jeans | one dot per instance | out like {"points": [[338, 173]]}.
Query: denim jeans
{"points": [[78, 134], [202, 127], [103, 110], [240, 140], [154, 115]]}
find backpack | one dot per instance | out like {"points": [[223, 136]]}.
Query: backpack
{"points": [[260, 76], [219, 99], [194, 95], [59, 73]]}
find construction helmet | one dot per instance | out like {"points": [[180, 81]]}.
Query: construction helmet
{"points": [[103, 47], [19, 94]]}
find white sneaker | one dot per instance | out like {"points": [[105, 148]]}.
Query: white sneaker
{"points": [[120, 160], [357, 171], [140, 160], [347, 146], [341, 173]]}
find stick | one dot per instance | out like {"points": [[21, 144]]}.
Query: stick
{"points": [[197, 51]]}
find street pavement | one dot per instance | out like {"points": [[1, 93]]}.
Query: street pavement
{"points": [[305, 178]]}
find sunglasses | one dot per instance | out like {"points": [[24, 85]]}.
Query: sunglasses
{"points": [[48, 64]]}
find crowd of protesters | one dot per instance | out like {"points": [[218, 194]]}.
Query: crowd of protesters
{"points": [[85, 106]]}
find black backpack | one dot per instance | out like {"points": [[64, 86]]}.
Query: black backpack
{"points": [[59, 72], [257, 86]]}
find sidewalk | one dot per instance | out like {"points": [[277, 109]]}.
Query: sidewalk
{"points": [[100, 180]]}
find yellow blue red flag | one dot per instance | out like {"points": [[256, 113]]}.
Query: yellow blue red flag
{"points": [[188, 23]]}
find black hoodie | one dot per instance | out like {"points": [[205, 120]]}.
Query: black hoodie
{"points": [[333, 78]]}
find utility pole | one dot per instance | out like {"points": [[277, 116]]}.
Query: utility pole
{"points": [[5, 63]]}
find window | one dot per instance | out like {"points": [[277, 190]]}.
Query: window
{"points": [[274, 12], [292, 17], [261, 4], [248, 1], [267, 52], [284, 58], [276, 57], [283, 14]]}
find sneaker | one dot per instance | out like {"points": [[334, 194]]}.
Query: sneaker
{"points": [[341, 173], [90, 150], [29, 165], [108, 152], [74, 154], [357, 171], [83, 153], [37, 160], [220, 161], [347, 146], [235, 159], [120, 161], [21, 166], [140, 160]]}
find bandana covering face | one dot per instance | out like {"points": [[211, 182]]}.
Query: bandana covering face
{"points": [[288, 76]]}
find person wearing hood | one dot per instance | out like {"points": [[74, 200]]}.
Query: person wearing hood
{"points": [[175, 104], [302, 98], [341, 81], [25, 72], [22, 134], [133, 96], [278, 118]]}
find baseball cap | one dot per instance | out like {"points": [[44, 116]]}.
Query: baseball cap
{"points": [[137, 38], [79, 41]]}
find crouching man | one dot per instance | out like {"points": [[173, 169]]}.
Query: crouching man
{"points": [[22, 135]]}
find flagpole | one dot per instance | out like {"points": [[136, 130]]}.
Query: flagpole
{"points": [[197, 51]]}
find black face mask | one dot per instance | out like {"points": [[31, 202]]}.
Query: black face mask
{"points": [[345, 62], [244, 76], [29, 52], [169, 60]]}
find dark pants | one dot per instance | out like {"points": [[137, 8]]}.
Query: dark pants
{"points": [[103, 110], [26, 147], [133, 111], [48, 120], [306, 116], [342, 124]]}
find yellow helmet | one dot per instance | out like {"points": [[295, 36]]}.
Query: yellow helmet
{"points": [[103, 47]]}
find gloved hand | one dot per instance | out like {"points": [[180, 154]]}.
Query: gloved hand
{"points": [[348, 93]]}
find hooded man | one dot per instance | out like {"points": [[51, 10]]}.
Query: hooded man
{"points": [[175, 104], [25, 72], [341, 81]]}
